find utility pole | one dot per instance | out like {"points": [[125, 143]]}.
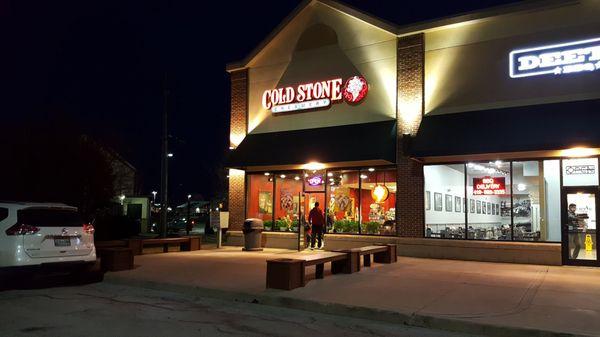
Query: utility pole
{"points": [[164, 167]]}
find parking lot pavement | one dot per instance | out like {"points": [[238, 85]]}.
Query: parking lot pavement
{"points": [[102, 309]]}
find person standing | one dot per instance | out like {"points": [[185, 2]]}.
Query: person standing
{"points": [[574, 224], [316, 219]]}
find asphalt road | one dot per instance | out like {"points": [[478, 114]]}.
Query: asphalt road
{"points": [[103, 309]]}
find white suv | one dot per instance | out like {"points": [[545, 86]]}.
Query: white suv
{"points": [[43, 236]]}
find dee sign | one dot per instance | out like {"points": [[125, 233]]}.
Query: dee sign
{"points": [[565, 58], [315, 95]]}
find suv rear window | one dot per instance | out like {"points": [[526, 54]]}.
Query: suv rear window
{"points": [[48, 217], [3, 213]]}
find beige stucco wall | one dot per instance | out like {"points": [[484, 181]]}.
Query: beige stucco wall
{"points": [[361, 49], [467, 65]]}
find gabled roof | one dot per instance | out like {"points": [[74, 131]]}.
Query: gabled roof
{"points": [[398, 28]]}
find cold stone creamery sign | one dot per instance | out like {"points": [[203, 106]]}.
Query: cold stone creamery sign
{"points": [[566, 58], [315, 95], [489, 186]]}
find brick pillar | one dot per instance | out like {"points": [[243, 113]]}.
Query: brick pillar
{"points": [[237, 131], [410, 213], [237, 199]]}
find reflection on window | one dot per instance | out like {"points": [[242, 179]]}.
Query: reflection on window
{"points": [[378, 201], [288, 187], [259, 198], [445, 201], [343, 205], [488, 184]]}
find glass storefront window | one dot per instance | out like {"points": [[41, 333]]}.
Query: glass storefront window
{"points": [[489, 186], [288, 187], [445, 201], [378, 201], [343, 201], [259, 198]]}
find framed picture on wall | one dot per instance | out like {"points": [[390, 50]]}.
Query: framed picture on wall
{"points": [[489, 208], [427, 200], [472, 205], [437, 201], [448, 203], [265, 202], [457, 207], [478, 207]]}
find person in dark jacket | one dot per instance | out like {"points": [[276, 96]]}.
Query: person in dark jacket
{"points": [[316, 219], [575, 228]]}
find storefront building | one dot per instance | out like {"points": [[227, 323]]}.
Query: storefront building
{"points": [[473, 137]]}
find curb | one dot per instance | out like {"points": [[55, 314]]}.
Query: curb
{"points": [[274, 298]]}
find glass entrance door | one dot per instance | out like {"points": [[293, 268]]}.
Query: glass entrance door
{"points": [[579, 237]]}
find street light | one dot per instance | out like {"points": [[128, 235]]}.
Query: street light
{"points": [[154, 197], [170, 155]]}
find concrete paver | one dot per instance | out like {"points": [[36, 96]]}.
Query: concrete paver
{"points": [[560, 299]]}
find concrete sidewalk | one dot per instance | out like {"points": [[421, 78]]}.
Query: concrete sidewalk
{"points": [[472, 297]]}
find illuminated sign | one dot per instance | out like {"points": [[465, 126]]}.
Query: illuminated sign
{"points": [[315, 180], [315, 95], [489, 186], [565, 58]]}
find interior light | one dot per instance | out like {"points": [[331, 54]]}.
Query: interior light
{"points": [[231, 147], [371, 169], [362, 176], [305, 175], [267, 173], [330, 174], [330, 179], [498, 163], [296, 178], [282, 176], [521, 187], [578, 152], [380, 193]]}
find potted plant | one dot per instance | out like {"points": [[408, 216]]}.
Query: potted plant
{"points": [[282, 225], [268, 225]]}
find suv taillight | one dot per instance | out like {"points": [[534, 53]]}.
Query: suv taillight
{"points": [[22, 229], [88, 229]]}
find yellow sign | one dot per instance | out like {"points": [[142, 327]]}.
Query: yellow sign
{"points": [[588, 243]]}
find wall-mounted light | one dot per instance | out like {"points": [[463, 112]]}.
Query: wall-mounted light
{"points": [[313, 166], [579, 152]]}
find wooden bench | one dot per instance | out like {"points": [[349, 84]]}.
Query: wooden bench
{"points": [[186, 244], [115, 258], [381, 254], [289, 272]]}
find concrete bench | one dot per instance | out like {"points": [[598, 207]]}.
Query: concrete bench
{"points": [[289, 273], [186, 244]]}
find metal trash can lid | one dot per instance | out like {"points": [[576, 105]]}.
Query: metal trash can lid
{"points": [[253, 223]]}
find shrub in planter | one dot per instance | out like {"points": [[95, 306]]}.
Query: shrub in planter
{"points": [[345, 226], [370, 227]]}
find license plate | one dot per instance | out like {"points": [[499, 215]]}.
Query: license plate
{"points": [[62, 242]]}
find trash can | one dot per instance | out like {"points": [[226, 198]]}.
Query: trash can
{"points": [[252, 234]]}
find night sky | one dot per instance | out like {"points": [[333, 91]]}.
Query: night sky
{"points": [[101, 65]]}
